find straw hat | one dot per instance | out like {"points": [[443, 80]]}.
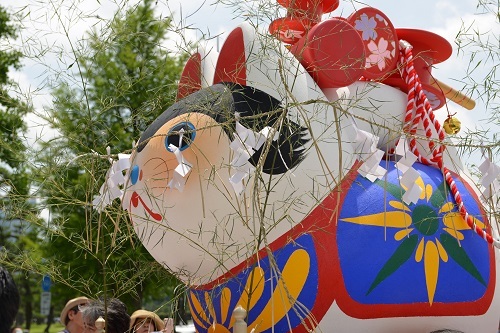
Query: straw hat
{"points": [[143, 314], [71, 304]]}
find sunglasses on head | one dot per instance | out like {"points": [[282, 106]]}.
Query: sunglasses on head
{"points": [[79, 307], [82, 306]]}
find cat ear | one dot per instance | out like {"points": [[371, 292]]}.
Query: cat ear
{"points": [[258, 60], [198, 73], [231, 64]]}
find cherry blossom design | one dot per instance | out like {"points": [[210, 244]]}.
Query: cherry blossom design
{"points": [[367, 26], [378, 54], [290, 34]]}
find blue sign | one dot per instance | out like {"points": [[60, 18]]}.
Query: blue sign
{"points": [[46, 283]]}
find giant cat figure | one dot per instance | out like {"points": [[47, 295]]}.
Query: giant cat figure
{"points": [[284, 180]]}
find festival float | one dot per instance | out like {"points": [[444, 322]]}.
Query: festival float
{"points": [[303, 175]]}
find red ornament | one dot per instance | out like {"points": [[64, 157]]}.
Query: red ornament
{"points": [[379, 39], [427, 48], [332, 52], [289, 30]]}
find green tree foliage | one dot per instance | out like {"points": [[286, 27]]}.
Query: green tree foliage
{"points": [[12, 111], [18, 238], [126, 79]]}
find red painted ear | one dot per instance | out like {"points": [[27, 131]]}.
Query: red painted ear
{"points": [[190, 80], [332, 52], [231, 65]]}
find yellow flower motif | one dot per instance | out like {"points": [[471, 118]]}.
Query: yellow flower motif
{"points": [[283, 299], [423, 219]]}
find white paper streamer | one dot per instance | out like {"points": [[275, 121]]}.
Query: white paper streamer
{"points": [[490, 179], [402, 146], [181, 170], [492, 190], [412, 194], [409, 175], [112, 187], [246, 142], [406, 161], [366, 147]]}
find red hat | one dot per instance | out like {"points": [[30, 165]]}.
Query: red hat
{"points": [[427, 49], [301, 16], [289, 29], [309, 8]]}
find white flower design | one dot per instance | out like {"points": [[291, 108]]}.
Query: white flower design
{"points": [[378, 54], [367, 26], [290, 34]]}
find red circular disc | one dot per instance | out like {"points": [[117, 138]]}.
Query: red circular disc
{"points": [[288, 30], [333, 53], [428, 43], [379, 39], [427, 49]]}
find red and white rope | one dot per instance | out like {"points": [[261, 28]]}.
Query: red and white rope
{"points": [[419, 110]]}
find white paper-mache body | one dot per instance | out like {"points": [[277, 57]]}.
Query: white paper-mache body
{"points": [[254, 191]]}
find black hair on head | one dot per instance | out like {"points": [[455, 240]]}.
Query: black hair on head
{"points": [[114, 310], [255, 110], [9, 301]]}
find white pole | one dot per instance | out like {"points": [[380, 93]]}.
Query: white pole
{"points": [[240, 326], [100, 323]]}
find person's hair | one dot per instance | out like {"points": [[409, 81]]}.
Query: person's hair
{"points": [[447, 331], [117, 318], [9, 301]]}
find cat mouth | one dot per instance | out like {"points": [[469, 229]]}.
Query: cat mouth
{"points": [[136, 199]]}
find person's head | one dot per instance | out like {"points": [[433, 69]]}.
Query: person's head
{"points": [[71, 316], [9, 301], [143, 321], [114, 311]]}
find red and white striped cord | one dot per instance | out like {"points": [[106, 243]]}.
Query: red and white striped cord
{"points": [[419, 110]]}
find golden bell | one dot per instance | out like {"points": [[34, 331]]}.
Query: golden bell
{"points": [[452, 125]]}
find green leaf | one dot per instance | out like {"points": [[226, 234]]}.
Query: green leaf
{"points": [[439, 195], [396, 190], [461, 257], [400, 256]]}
